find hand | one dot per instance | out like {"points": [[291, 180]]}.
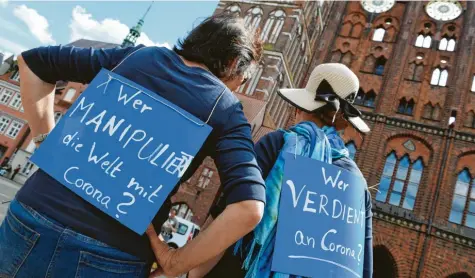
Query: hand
{"points": [[163, 254]]}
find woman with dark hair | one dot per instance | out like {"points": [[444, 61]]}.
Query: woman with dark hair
{"points": [[324, 107], [50, 231]]}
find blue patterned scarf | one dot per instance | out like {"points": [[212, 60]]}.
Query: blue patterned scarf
{"points": [[305, 139]]}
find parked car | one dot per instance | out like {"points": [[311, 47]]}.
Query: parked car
{"points": [[186, 231]]}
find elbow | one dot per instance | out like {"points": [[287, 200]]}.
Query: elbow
{"points": [[253, 211], [20, 61]]}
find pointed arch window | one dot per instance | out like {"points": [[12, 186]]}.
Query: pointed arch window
{"points": [[431, 112], [378, 35], [447, 44], [473, 84], [439, 77], [254, 81], [400, 181], [470, 119], [379, 65], [365, 99], [273, 26], [344, 58], [351, 149], [463, 201], [406, 107], [424, 41], [415, 72], [253, 17]]}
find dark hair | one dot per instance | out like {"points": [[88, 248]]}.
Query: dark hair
{"points": [[218, 41]]}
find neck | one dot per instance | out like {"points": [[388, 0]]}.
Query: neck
{"points": [[310, 117], [193, 64]]}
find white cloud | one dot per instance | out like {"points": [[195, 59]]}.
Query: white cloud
{"points": [[11, 46], [84, 26], [12, 27], [3, 3], [37, 23]]}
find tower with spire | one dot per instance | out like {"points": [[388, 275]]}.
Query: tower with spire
{"points": [[135, 31]]}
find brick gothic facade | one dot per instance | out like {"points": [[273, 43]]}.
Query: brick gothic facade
{"points": [[413, 84]]}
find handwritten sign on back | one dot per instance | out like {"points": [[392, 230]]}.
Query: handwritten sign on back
{"points": [[321, 227], [122, 148]]}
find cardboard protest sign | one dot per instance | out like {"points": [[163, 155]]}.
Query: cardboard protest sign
{"points": [[321, 226], [122, 148]]}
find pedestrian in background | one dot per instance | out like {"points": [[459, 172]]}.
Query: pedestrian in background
{"points": [[15, 172]]}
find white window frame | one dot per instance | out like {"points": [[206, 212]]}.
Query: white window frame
{"points": [[16, 76], [4, 124], [15, 101], [15, 126], [26, 170], [8, 93], [205, 178], [473, 84], [70, 94]]}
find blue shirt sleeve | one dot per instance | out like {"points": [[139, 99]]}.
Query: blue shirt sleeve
{"points": [[69, 63], [236, 161], [267, 150]]}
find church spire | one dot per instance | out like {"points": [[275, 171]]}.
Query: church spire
{"points": [[135, 31]]}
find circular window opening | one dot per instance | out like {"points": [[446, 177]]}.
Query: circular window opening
{"points": [[388, 21], [443, 61], [256, 11], [419, 57], [451, 28], [427, 26]]}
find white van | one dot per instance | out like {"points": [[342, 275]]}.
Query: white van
{"points": [[186, 231]]}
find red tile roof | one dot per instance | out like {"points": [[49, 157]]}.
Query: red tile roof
{"points": [[252, 106]]}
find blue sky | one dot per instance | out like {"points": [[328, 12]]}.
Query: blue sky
{"points": [[28, 24]]}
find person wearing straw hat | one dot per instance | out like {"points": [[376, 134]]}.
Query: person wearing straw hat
{"points": [[324, 107]]}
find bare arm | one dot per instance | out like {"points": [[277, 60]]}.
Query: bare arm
{"points": [[236, 221], [205, 268], [37, 98]]}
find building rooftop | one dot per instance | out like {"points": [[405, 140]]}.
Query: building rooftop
{"points": [[252, 106], [93, 44]]}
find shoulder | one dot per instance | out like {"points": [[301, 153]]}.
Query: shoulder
{"points": [[349, 165], [272, 139]]}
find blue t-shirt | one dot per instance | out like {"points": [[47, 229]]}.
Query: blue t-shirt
{"points": [[191, 88], [267, 151]]}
